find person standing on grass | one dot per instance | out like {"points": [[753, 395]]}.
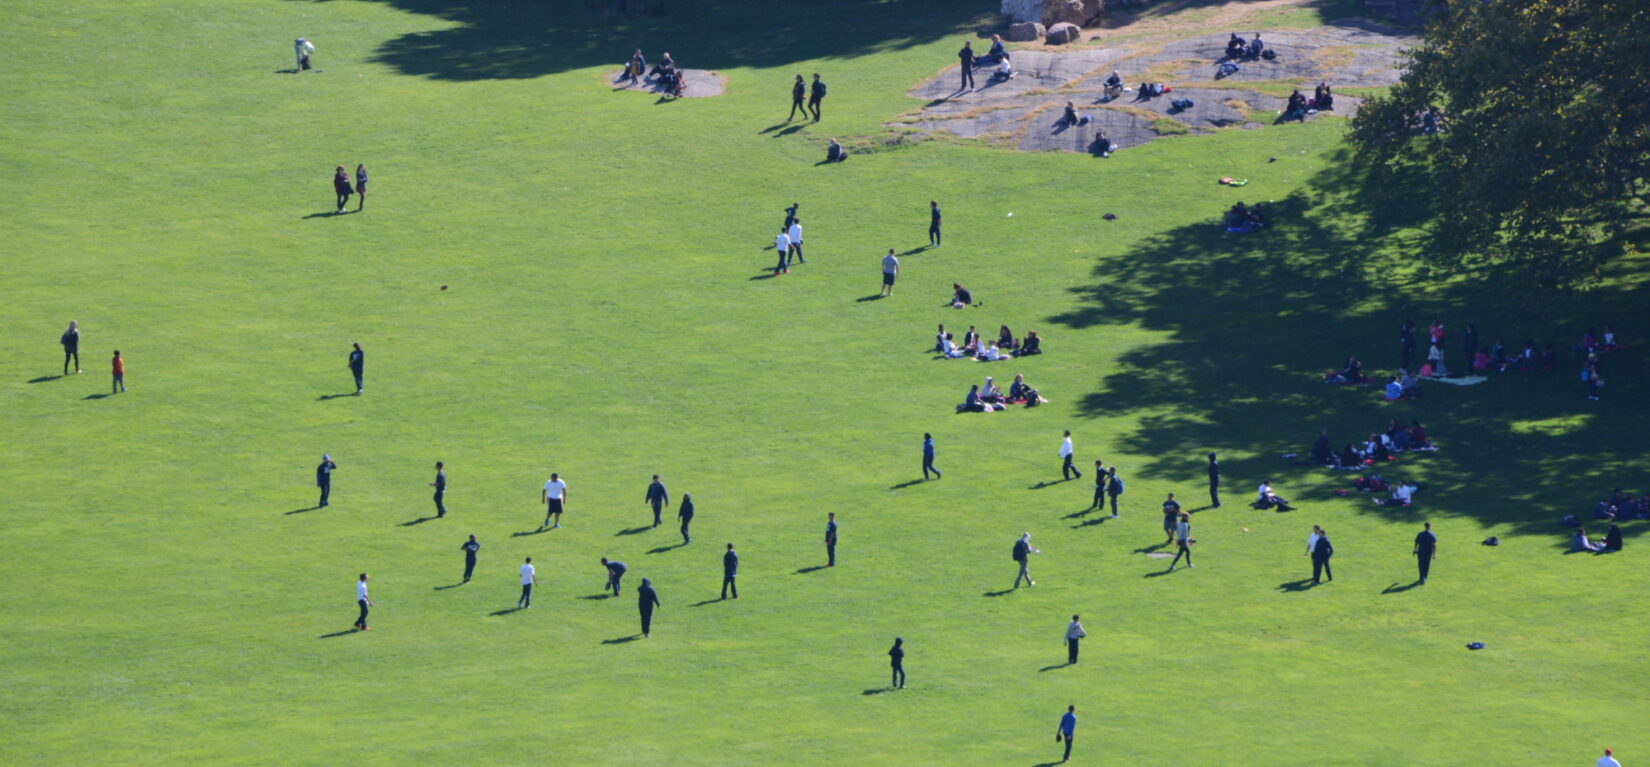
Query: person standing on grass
{"points": [[360, 186], [928, 457], [470, 548], [118, 367], [1214, 481], [1426, 548], [362, 602], [798, 90], [340, 184], [966, 55], [71, 346], [1074, 634], [795, 235], [1022, 554], [1067, 730], [1312, 540], [554, 497], [1114, 488], [646, 600], [934, 223], [1321, 552], [529, 578], [658, 498], [684, 512], [323, 478], [1406, 339], [615, 572], [890, 272], [358, 367], [816, 96], [1171, 517], [440, 485], [1608, 760], [896, 661], [830, 539], [1067, 471], [1183, 539], [730, 571], [782, 245]]}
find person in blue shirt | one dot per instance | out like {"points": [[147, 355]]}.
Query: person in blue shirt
{"points": [[615, 571], [470, 548], [896, 661], [928, 457], [730, 571], [1114, 488], [323, 478], [657, 497], [647, 600], [440, 485], [1068, 729], [830, 540]]}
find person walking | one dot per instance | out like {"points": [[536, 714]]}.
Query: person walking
{"points": [[890, 272], [830, 539], [966, 55], [323, 478], [554, 497], [440, 485], [795, 234], [790, 214], [1067, 730], [782, 245], [798, 90], [71, 346], [615, 572], [360, 187], [730, 571], [340, 184], [470, 548], [362, 601], [928, 457], [658, 498], [934, 223], [1171, 518], [357, 367], [1114, 488], [1067, 471], [816, 96], [529, 577], [1022, 554], [646, 600], [1183, 539], [1074, 634], [896, 661], [1426, 548], [1214, 481], [1321, 552], [684, 512], [117, 366]]}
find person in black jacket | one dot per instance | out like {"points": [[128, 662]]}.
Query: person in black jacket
{"points": [[1114, 488], [830, 540], [1321, 552], [730, 571], [657, 497], [798, 89], [816, 95], [1100, 480], [1470, 343], [647, 599], [323, 478], [1214, 481], [1406, 338], [470, 548], [684, 512], [71, 345], [934, 223], [440, 485], [357, 366], [615, 573], [1426, 548], [967, 57], [896, 660]]}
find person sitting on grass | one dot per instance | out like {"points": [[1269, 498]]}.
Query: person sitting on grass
{"points": [[1579, 542], [990, 393], [1005, 339], [1397, 435], [1032, 344], [1352, 373], [835, 152], [1236, 216], [1402, 493], [1322, 98], [1349, 458], [991, 353], [972, 403], [1266, 499], [1604, 509], [1376, 450], [950, 349], [1103, 145], [1418, 437], [1612, 538], [1020, 391], [1410, 384], [939, 340], [1322, 452], [971, 341], [1394, 389], [1607, 343], [1113, 86], [1296, 108], [960, 296]]}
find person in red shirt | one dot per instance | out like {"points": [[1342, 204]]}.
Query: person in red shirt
{"points": [[119, 366]]}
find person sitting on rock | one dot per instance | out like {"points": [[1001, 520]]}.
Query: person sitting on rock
{"points": [[1235, 47], [960, 297], [997, 53], [1071, 118], [835, 153], [1149, 90], [1113, 86], [1227, 69], [634, 70], [1322, 98], [1256, 47], [1005, 69], [1032, 344], [1102, 144], [665, 65], [676, 83]]}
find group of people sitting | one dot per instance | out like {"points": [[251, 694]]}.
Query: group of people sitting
{"points": [[1622, 506], [665, 75], [1402, 492], [1351, 374], [1238, 48], [1611, 542], [984, 350], [1379, 448], [1243, 219], [989, 397]]}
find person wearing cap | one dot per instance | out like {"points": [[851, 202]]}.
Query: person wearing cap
{"points": [[896, 660], [647, 600], [323, 478]]}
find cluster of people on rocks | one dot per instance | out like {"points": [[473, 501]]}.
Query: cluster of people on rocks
{"points": [[989, 397], [666, 75], [1238, 48], [1378, 448], [983, 349]]}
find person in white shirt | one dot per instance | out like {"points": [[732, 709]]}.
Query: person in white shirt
{"points": [[1183, 539], [555, 500], [782, 244], [1005, 70], [301, 50], [890, 271], [795, 234], [951, 350], [1074, 634], [1312, 540], [1608, 760], [1402, 493], [990, 353], [1067, 470], [529, 577], [362, 601]]}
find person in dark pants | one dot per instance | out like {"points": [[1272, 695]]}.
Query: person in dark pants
{"points": [[646, 600], [357, 366], [1406, 338], [1469, 343], [966, 55], [360, 187], [1067, 730], [470, 548], [529, 578], [440, 485], [1022, 555], [730, 571], [1067, 471], [1114, 488], [1321, 552], [1214, 481], [362, 601], [798, 89], [934, 223], [323, 478], [1100, 479], [1074, 635], [816, 95], [1183, 539], [928, 457], [830, 540], [1171, 518], [684, 512], [1426, 547], [340, 184], [896, 660], [71, 346], [117, 366], [658, 498], [615, 572]]}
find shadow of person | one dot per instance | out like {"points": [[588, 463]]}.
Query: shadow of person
{"points": [[44, 379], [877, 690], [419, 521], [663, 549], [863, 299], [96, 396], [448, 586], [300, 511], [634, 530], [1051, 668], [997, 593], [525, 533], [1396, 589], [907, 483], [326, 397], [346, 632], [1300, 585], [806, 570], [623, 639], [507, 611]]}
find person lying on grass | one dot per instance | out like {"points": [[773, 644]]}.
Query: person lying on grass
{"points": [[1352, 374], [1266, 499]]}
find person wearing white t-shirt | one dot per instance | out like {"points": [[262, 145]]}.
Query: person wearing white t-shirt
{"points": [[528, 578], [1608, 760], [1312, 540], [1067, 470], [782, 245], [301, 50], [795, 234], [555, 500], [362, 601], [890, 272]]}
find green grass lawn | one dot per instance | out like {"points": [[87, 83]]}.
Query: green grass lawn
{"points": [[610, 317]]}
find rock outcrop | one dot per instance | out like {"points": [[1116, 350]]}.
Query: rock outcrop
{"points": [[1064, 32], [1051, 12], [1026, 32]]}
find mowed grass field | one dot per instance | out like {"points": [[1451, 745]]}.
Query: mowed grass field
{"points": [[170, 596]]}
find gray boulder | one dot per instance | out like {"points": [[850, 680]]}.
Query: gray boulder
{"points": [[1051, 12], [1026, 32], [1063, 33]]}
